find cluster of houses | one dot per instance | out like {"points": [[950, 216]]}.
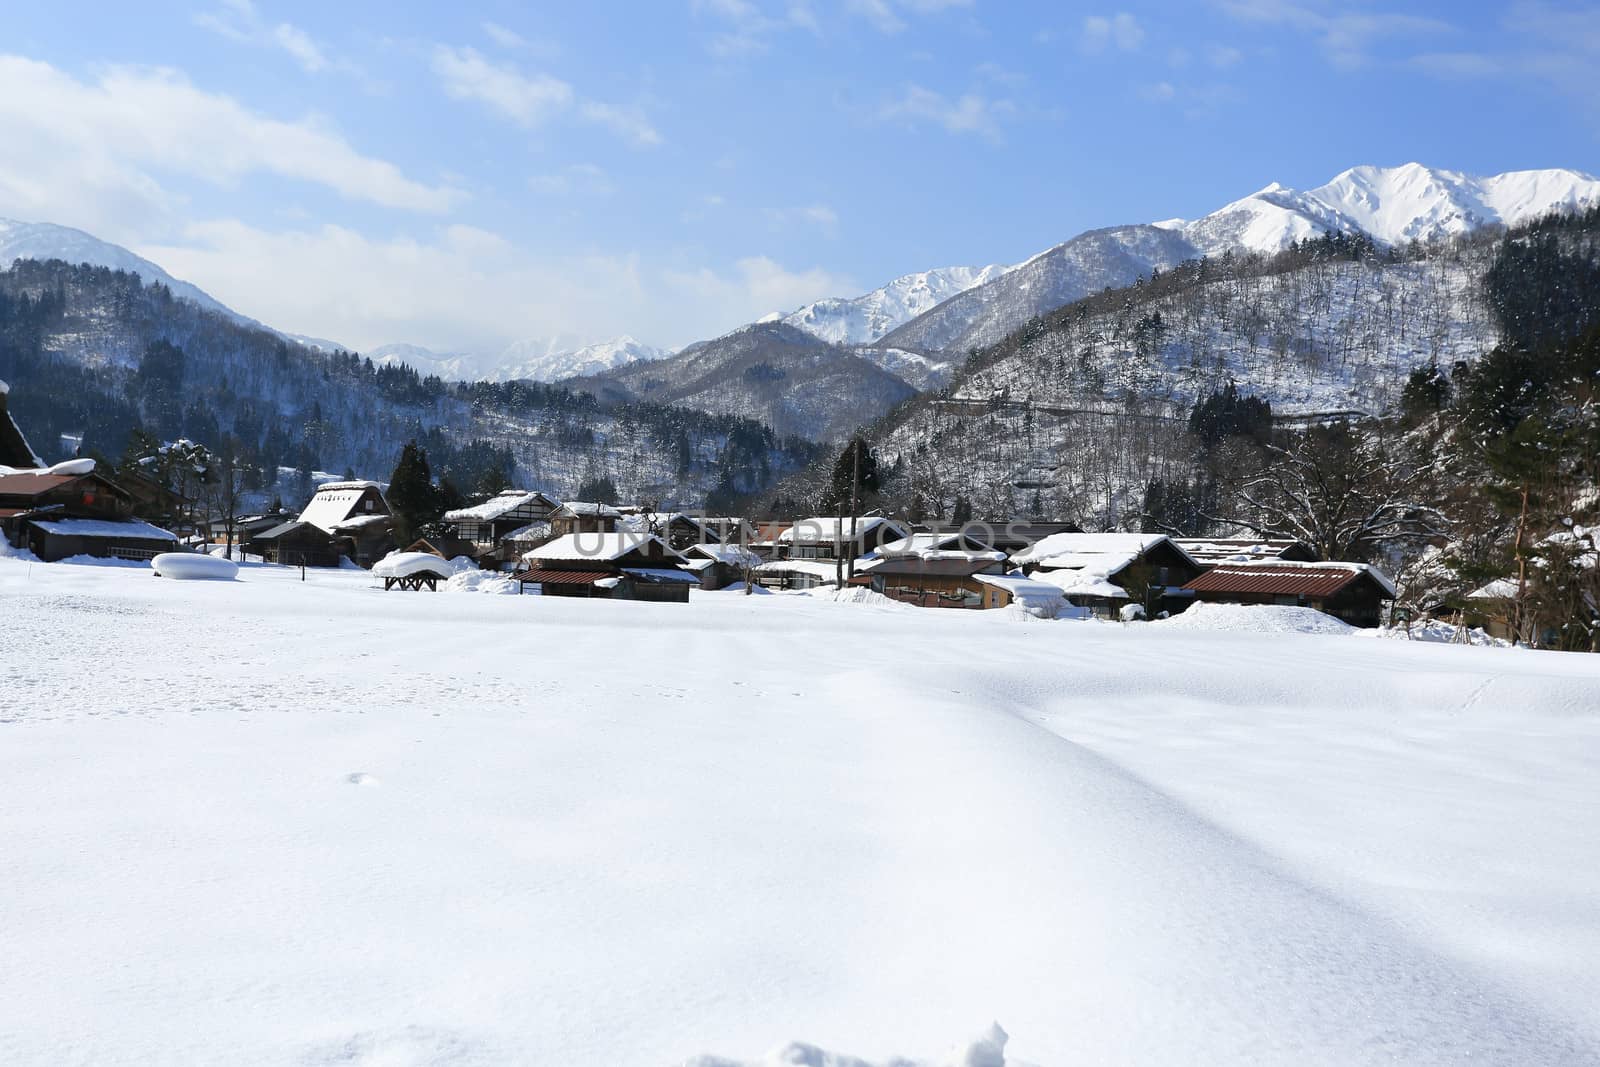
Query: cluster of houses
{"points": [[586, 549]]}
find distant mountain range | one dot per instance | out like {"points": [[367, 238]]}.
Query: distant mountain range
{"points": [[545, 360], [917, 328]]}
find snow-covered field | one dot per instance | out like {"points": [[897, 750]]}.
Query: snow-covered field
{"points": [[275, 822]]}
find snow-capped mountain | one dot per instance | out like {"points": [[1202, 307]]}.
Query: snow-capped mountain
{"points": [[46, 240], [1092, 261], [863, 319], [556, 363], [539, 360], [1392, 205]]}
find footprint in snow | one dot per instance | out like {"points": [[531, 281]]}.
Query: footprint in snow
{"points": [[362, 778]]}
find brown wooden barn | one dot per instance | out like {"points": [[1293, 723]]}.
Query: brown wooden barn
{"points": [[1354, 592], [71, 510], [619, 565]]}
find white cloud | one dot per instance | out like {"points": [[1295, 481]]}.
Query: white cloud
{"points": [[500, 35], [462, 287], [531, 100], [99, 153], [817, 216], [757, 286], [970, 113], [1158, 91], [524, 99], [1346, 36], [1121, 31], [1222, 56], [750, 27], [239, 20], [627, 122]]}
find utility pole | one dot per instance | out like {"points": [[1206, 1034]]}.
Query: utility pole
{"points": [[855, 499]]}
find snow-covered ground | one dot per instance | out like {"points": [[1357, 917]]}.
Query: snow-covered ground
{"points": [[271, 821]]}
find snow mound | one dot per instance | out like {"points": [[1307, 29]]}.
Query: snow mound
{"points": [[192, 566], [858, 595], [406, 564], [1256, 619], [481, 581], [987, 1051], [1439, 633]]}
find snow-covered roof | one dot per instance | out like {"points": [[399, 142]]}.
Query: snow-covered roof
{"points": [[726, 553], [924, 541], [1499, 589], [331, 503], [1085, 583], [104, 528], [816, 568], [1097, 551], [1021, 588], [406, 564], [597, 547], [830, 529], [355, 522], [584, 507], [531, 532], [72, 468], [501, 504]]}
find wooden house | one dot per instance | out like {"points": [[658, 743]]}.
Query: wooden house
{"points": [[1103, 571], [1354, 592], [489, 527], [71, 510], [829, 537], [342, 520], [617, 565], [580, 516], [721, 565]]}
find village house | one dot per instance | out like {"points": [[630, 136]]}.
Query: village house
{"points": [[71, 510], [1354, 592], [501, 528], [718, 566], [679, 529], [829, 537], [1102, 572], [935, 570], [1016, 536], [581, 516], [342, 520], [619, 565]]}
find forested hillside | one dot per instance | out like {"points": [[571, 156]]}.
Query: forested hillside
{"points": [[94, 355]]}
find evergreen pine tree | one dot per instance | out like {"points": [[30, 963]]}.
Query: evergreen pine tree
{"points": [[413, 500]]}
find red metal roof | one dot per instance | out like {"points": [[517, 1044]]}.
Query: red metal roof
{"points": [[552, 577], [1308, 579]]}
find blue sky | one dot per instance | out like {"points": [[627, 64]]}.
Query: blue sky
{"points": [[462, 177]]}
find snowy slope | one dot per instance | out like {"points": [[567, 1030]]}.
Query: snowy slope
{"points": [[1092, 261], [1288, 849], [864, 319], [45, 240]]}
